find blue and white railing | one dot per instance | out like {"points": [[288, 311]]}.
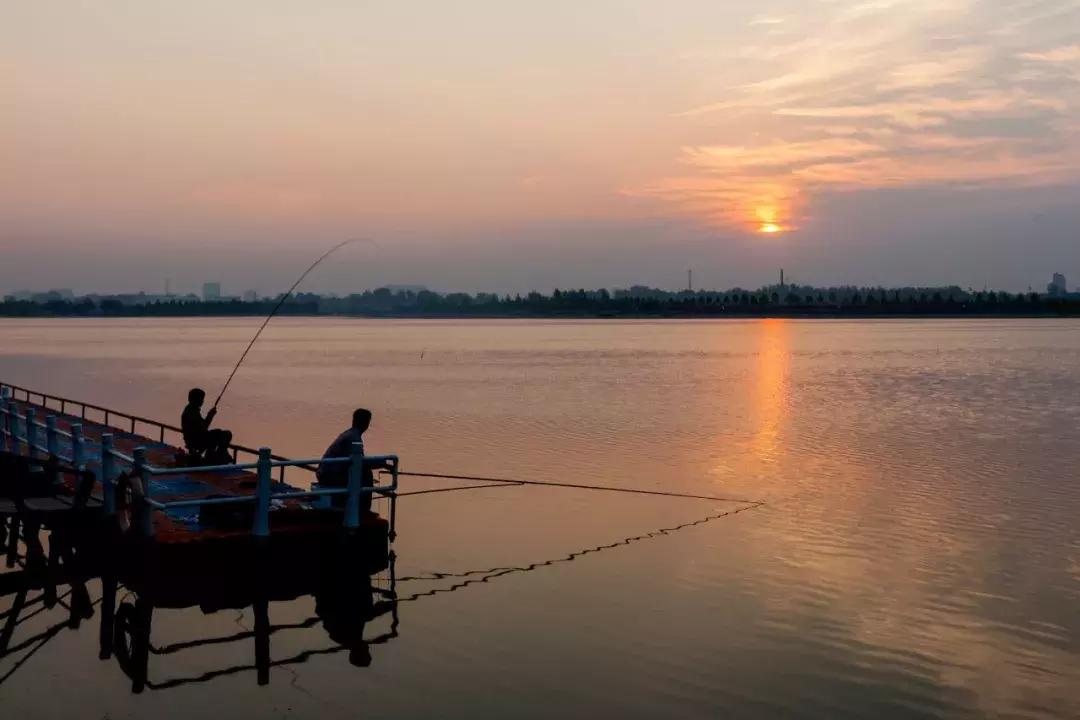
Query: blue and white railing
{"points": [[110, 462]]}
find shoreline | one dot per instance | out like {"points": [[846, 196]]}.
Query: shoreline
{"points": [[772, 313]]}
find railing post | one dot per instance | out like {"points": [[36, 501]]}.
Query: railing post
{"points": [[146, 517], [108, 480], [5, 422], [5, 426], [31, 432], [77, 446], [50, 443], [13, 427], [50, 436], [261, 524], [356, 481]]}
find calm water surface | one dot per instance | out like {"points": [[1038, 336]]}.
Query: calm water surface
{"points": [[918, 554]]}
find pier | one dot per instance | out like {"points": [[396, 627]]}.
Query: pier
{"points": [[145, 488]]}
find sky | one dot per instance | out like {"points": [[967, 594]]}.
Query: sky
{"points": [[503, 146]]}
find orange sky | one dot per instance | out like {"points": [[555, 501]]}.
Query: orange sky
{"points": [[200, 120]]}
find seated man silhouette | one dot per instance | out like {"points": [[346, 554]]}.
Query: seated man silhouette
{"points": [[337, 474], [204, 444]]}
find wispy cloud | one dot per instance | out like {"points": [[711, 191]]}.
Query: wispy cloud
{"points": [[1064, 54], [882, 94]]}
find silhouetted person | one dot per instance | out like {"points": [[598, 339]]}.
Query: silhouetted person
{"points": [[337, 474], [200, 440]]}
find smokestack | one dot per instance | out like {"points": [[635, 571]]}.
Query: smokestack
{"points": [[781, 277]]}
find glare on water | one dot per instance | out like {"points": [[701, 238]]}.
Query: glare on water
{"points": [[918, 553]]}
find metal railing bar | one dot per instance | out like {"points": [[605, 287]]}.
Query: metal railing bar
{"points": [[155, 470], [234, 499]]}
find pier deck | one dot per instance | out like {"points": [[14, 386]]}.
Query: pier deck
{"points": [[173, 510]]}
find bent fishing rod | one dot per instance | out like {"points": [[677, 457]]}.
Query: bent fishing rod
{"points": [[280, 302]]}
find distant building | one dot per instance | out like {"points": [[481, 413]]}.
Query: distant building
{"points": [[1057, 286], [211, 292], [250, 296]]}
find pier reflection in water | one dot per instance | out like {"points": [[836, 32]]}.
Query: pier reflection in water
{"points": [[350, 591]]}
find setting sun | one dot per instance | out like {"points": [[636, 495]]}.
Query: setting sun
{"points": [[768, 216]]}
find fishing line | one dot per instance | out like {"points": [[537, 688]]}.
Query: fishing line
{"points": [[492, 573], [576, 486], [280, 302], [455, 489]]}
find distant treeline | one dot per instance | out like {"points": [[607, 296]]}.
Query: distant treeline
{"points": [[775, 300], [85, 307]]}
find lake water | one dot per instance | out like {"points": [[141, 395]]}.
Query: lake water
{"points": [[917, 555]]}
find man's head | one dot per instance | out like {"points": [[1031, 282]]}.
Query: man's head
{"points": [[361, 419], [196, 396]]}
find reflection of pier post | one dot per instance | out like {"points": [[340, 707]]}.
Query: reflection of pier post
{"points": [[108, 614], [144, 615], [261, 608]]}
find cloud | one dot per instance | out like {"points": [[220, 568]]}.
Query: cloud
{"points": [[1064, 54], [884, 94]]}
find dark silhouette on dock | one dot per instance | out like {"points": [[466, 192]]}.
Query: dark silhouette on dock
{"points": [[202, 443], [337, 474]]}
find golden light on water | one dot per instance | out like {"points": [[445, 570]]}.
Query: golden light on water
{"points": [[769, 228]]}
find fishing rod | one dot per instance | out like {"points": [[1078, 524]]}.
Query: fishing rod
{"points": [[273, 312]]}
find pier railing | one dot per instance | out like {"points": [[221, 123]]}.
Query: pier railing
{"points": [[122, 421], [110, 462]]}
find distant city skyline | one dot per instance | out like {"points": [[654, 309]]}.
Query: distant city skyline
{"points": [[510, 147], [216, 291]]}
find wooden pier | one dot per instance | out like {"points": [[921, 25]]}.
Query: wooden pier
{"points": [[144, 486]]}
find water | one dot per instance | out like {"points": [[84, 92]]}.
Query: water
{"points": [[918, 554]]}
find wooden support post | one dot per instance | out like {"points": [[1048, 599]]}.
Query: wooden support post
{"points": [[78, 447], [261, 524], [145, 512], [108, 476], [356, 482]]}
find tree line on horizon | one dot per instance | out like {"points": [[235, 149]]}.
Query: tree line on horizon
{"points": [[637, 300]]}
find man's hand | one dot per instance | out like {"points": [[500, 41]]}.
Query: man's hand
{"points": [[210, 415]]}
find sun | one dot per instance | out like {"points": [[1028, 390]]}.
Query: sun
{"points": [[768, 217]]}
